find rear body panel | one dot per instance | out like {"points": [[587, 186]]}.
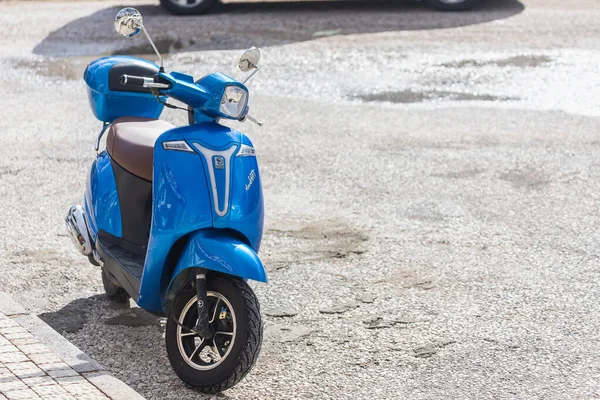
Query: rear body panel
{"points": [[109, 99], [102, 206]]}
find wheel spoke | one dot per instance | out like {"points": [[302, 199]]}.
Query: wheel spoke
{"points": [[198, 349], [217, 343], [214, 315], [189, 334], [215, 349]]}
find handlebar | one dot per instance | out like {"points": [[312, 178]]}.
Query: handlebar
{"points": [[142, 81], [134, 80]]}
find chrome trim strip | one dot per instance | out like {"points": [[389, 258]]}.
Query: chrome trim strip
{"points": [[247, 151], [208, 156], [180, 145]]}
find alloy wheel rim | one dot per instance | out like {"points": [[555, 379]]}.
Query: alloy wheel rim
{"points": [[206, 354]]}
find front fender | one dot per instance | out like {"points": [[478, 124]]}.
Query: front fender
{"points": [[214, 250]]}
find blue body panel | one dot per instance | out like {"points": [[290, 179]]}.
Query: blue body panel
{"points": [[101, 198], [214, 250], [246, 209], [184, 203]]}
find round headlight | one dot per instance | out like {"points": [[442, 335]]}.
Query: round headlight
{"points": [[233, 102]]}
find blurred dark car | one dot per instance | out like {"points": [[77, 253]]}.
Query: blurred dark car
{"points": [[191, 7]]}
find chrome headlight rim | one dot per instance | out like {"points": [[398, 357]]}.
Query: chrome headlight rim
{"points": [[234, 102]]}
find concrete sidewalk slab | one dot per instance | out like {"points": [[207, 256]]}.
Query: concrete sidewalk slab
{"points": [[9, 307], [36, 362]]}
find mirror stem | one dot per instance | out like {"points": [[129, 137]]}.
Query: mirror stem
{"points": [[154, 47], [248, 117], [251, 75]]}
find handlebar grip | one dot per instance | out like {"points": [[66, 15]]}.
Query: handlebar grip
{"points": [[132, 80]]}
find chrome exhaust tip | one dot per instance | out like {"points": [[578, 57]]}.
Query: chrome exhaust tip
{"points": [[78, 230]]}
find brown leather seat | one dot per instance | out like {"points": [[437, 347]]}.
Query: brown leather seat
{"points": [[130, 142]]}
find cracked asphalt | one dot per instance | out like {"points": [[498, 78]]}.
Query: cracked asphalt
{"points": [[431, 192]]}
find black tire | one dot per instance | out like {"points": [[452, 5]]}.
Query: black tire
{"points": [[200, 8], [113, 291], [247, 341], [446, 5]]}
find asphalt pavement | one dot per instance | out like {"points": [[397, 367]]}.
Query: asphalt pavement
{"points": [[430, 180]]}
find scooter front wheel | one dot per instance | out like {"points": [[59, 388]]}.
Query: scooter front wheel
{"points": [[212, 365]]}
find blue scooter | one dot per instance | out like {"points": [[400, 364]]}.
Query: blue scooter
{"points": [[174, 215]]}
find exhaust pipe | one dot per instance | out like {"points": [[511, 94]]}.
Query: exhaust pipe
{"points": [[78, 230]]}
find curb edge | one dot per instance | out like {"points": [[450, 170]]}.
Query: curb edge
{"points": [[68, 352]]}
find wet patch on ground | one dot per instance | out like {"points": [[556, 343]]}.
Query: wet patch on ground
{"points": [[339, 308], [321, 240], [531, 178], [431, 350], [427, 211], [69, 68], [384, 323], [294, 333], [409, 279], [411, 96], [520, 61], [44, 256], [462, 174], [526, 179], [400, 144], [10, 170]]}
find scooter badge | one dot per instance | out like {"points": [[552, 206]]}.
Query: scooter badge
{"points": [[219, 162]]}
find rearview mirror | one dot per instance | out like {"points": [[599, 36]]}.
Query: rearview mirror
{"points": [[129, 22], [249, 60]]}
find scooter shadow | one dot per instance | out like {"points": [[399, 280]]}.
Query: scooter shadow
{"points": [[111, 334], [240, 25], [72, 317]]}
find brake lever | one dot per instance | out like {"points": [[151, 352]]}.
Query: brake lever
{"points": [[155, 85]]}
